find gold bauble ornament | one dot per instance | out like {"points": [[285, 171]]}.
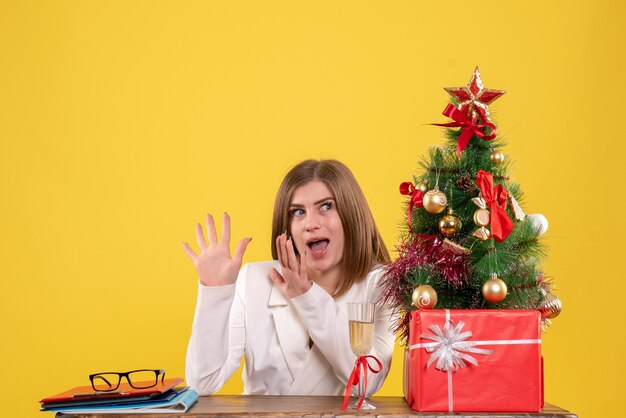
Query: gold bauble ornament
{"points": [[450, 225], [497, 157], [550, 307], [424, 297], [434, 201], [423, 186], [494, 289]]}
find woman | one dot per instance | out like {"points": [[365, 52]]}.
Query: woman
{"points": [[288, 317]]}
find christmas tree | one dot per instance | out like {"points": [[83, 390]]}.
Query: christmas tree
{"points": [[466, 242]]}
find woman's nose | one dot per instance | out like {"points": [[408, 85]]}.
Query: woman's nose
{"points": [[312, 222]]}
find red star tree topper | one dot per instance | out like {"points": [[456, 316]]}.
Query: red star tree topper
{"points": [[475, 98]]}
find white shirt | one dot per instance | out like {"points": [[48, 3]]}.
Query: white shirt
{"points": [[253, 318]]}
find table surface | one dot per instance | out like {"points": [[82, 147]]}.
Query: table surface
{"points": [[315, 406]]}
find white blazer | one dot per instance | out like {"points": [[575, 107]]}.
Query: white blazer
{"points": [[254, 319]]}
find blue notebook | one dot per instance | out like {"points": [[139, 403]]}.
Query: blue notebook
{"points": [[180, 402]]}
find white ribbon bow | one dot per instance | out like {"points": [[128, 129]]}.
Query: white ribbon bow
{"points": [[450, 347]]}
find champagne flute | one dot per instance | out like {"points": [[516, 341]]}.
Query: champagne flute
{"points": [[361, 323]]}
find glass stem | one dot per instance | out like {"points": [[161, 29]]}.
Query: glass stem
{"points": [[361, 388]]}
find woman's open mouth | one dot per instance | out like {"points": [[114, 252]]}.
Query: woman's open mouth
{"points": [[318, 247]]}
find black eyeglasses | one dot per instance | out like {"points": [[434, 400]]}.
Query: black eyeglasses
{"points": [[138, 379]]}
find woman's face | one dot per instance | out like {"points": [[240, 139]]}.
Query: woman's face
{"points": [[316, 227]]}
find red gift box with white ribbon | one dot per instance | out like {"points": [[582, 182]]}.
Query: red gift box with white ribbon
{"points": [[475, 361]]}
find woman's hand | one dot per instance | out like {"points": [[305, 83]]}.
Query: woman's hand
{"points": [[293, 281], [214, 265]]}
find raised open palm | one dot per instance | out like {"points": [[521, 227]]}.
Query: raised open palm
{"points": [[293, 279], [214, 264]]}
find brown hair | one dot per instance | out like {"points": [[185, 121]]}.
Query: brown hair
{"points": [[363, 245]]}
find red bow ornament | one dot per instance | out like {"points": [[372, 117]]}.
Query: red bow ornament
{"points": [[470, 127], [408, 189], [355, 376], [495, 199]]}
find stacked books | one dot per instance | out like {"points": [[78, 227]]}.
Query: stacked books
{"points": [[165, 397]]}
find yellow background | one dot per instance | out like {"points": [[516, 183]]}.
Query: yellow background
{"points": [[122, 123]]}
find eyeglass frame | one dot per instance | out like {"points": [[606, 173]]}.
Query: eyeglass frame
{"points": [[157, 372]]}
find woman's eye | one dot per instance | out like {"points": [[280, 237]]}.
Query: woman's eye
{"points": [[297, 212], [327, 206]]}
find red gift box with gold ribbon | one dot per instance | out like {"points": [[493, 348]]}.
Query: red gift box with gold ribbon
{"points": [[475, 361]]}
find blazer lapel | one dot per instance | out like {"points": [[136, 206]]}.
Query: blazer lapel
{"points": [[292, 335], [311, 373]]}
